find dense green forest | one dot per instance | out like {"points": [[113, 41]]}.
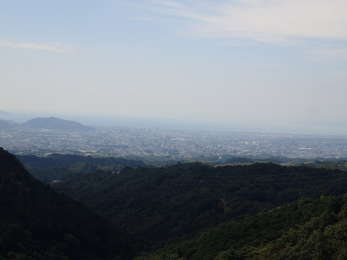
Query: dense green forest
{"points": [[158, 205], [38, 223], [60, 166], [180, 212], [305, 229]]}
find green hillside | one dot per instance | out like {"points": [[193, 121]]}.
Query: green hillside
{"points": [[159, 205], [306, 229]]}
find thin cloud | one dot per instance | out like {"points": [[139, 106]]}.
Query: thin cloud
{"points": [[323, 54], [262, 20], [171, 4], [57, 48], [192, 11], [141, 19]]}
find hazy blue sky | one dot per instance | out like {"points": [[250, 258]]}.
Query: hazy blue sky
{"points": [[252, 62]]}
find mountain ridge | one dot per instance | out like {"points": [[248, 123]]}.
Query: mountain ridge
{"points": [[158, 205], [37, 222], [55, 123]]}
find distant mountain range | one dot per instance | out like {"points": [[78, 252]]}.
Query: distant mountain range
{"points": [[55, 123], [51, 123]]}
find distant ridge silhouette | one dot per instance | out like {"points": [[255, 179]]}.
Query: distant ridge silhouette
{"points": [[55, 123]]}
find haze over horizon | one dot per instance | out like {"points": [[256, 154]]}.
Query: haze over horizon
{"points": [[232, 62]]}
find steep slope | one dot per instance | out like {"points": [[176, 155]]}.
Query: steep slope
{"points": [[323, 237], [161, 204], [55, 124], [36, 222]]}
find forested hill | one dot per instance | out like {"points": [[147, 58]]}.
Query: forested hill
{"points": [[37, 223], [159, 205], [61, 166], [305, 229]]}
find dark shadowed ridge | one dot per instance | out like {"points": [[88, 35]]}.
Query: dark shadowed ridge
{"points": [[61, 166], [55, 124], [158, 205], [37, 223]]}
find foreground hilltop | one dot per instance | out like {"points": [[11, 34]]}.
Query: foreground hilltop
{"points": [[37, 223], [304, 229], [55, 124], [159, 205], [181, 212]]}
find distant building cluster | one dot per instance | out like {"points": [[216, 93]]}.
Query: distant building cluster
{"points": [[170, 144]]}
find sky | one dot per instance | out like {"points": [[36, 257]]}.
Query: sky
{"points": [[273, 63]]}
